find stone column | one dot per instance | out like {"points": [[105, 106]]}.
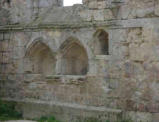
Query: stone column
{"points": [[27, 65], [92, 67], [58, 67]]}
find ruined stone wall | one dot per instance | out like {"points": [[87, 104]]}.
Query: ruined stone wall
{"points": [[56, 57]]}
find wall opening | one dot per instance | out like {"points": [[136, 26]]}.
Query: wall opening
{"points": [[41, 59], [101, 42], [74, 60], [6, 2], [71, 2]]}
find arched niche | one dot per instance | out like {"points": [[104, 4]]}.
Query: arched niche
{"points": [[74, 59], [40, 59], [101, 42]]}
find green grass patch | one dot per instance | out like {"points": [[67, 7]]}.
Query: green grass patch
{"points": [[47, 119]]}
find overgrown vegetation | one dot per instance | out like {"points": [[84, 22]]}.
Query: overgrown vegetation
{"points": [[47, 119], [8, 112]]}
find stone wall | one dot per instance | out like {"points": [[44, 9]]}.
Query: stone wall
{"points": [[101, 54]]}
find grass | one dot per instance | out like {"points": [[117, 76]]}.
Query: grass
{"points": [[47, 119]]}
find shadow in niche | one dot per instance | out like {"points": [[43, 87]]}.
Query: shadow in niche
{"points": [[74, 59], [101, 42], [8, 2], [40, 59]]}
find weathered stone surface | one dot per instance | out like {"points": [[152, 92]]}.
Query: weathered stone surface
{"points": [[4, 16], [137, 9], [138, 116], [155, 117], [101, 54], [157, 8]]}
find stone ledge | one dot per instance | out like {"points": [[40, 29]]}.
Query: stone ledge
{"points": [[103, 57], [70, 105], [67, 79], [36, 108], [65, 112], [113, 24]]}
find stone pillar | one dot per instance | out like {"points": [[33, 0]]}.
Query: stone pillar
{"points": [[92, 68], [27, 65], [58, 67]]}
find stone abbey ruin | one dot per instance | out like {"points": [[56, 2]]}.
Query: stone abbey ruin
{"points": [[99, 59]]}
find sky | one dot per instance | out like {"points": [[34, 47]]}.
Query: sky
{"points": [[71, 2]]}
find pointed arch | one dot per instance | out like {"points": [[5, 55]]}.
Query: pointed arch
{"points": [[101, 42], [40, 58], [74, 58]]}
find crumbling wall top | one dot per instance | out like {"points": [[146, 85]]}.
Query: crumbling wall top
{"points": [[97, 4]]}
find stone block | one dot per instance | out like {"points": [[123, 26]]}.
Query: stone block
{"points": [[7, 36], [125, 11], [86, 15], [4, 46], [102, 4], [18, 65], [108, 14], [134, 35], [135, 53], [5, 57], [98, 15], [18, 52], [28, 68], [120, 51], [139, 116], [153, 108], [113, 83], [1, 37], [20, 39], [157, 8], [120, 35], [155, 117], [144, 12], [93, 4]]}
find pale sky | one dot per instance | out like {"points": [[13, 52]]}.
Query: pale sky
{"points": [[72, 2]]}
